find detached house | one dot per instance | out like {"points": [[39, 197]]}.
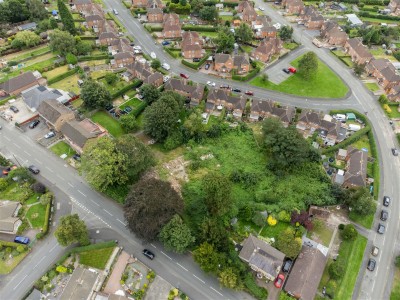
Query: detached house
{"points": [[172, 27], [122, 59], [55, 113], [191, 45], [356, 168], [154, 15], [267, 48], [332, 34], [16, 85], [9, 220], [358, 52], [193, 92]]}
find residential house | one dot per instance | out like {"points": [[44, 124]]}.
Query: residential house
{"points": [[9, 221], [155, 4], [394, 93], [293, 7], [332, 33], [154, 15], [171, 18], [394, 6], [172, 31], [155, 79], [311, 18], [358, 52], [356, 168], [139, 3], [309, 121], [95, 22], [244, 5], [236, 105], [262, 28], [123, 59], [248, 14], [78, 133], [342, 154], [119, 45], [260, 109], [34, 96], [384, 72], [306, 274], [241, 64], [262, 257], [331, 131], [16, 85], [216, 98], [81, 285], [223, 63], [107, 38], [193, 92], [55, 113], [82, 5], [139, 70], [267, 48], [284, 114], [192, 45]]}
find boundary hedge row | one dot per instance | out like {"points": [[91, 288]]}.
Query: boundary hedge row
{"points": [[226, 4], [87, 37], [200, 28], [197, 65], [62, 76], [249, 76], [170, 52], [86, 248], [45, 228], [381, 17], [139, 109], [126, 88], [94, 57]]}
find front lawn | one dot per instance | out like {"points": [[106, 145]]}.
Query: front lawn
{"points": [[290, 45], [108, 122], [372, 86], [394, 113], [13, 192], [325, 84], [36, 215], [6, 266], [62, 148], [96, 258], [365, 221], [274, 231], [69, 84], [363, 143]]}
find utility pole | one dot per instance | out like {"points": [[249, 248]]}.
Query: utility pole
{"points": [[17, 160]]}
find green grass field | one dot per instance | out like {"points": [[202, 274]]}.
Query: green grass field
{"points": [[36, 215], [62, 148], [365, 221], [105, 120], [372, 86], [69, 84], [115, 87], [394, 114], [274, 231], [96, 258], [6, 266], [18, 56], [55, 72], [325, 84], [363, 143]]}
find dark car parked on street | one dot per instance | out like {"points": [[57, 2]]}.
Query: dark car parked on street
{"points": [[384, 215], [381, 228], [33, 169], [286, 71], [148, 254], [386, 201], [371, 264]]}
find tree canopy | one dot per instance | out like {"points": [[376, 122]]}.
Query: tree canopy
{"points": [[285, 33], [94, 94], [66, 17], [244, 33], [229, 278], [151, 204], [155, 64], [308, 65], [150, 93], [225, 40], [62, 41], [361, 201], [25, 39], [206, 257], [176, 235], [217, 189], [208, 13], [288, 243], [71, 230]]}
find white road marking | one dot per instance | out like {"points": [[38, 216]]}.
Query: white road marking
{"points": [[49, 169], [7, 138], [39, 261], [17, 145], [95, 202], [81, 193], [107, 212], [53, 248], [70, 184], [182, 267], [216, 291], [166, 255], [153, 246], [38, 161], [58, 205], [60, 177], [121, 222], [15, 287], [199, 278], [27, 153]]}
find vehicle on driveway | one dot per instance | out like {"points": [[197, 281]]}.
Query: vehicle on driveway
{"points": [[165, 43], [249, 93], [210, 83], [148, 254], [395, 152], [166, 78], [224, 86], [14, 109], [183, 75], [77, 157], [371, 264], [381, 228], [33, 124], [279, 281], [286, 71], [384, 215], [292, 70], [128, 109], [286, 267], [33, 169], [49, 135], [386, 201], [207, 66], [8, 170], [21, 240]]}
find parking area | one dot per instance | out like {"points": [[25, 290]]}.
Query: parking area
{"points": [[35, 133], [22, 115]]}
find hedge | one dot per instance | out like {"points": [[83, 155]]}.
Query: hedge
{"points": [[45, 228], [198, 64], [347, 142], [93, 57], [226, 4], [139, 109], [88, 37], [62, 76], [376, 2], [11, 244], [375, 165], [252, 287], [126, 88], [172, 53], [382, 17], [128, 5], [117, 22], [200, 28], [86, 248], [249, 76], [398, 137]]}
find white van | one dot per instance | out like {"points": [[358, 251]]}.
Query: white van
{"points": [[340, 117], [166, 66]]}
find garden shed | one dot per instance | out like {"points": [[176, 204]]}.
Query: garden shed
{"points": [[350, 116]]}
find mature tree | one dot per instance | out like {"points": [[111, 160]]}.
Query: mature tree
{"points": [[206, 257], [94, 94], [244, 33], [285, 146], [13, 11], [383, 99], [288, 243], [21, 174], [349, 233], [39, 188], [217, 190], [71, 59], [183, 2], [138, 157], [361, 201], [358, 69], [53, 23], [103, 165], [155, 64], [229, 278], [301, 218], [308, 65], [62, 41], [25, 39], [285, 33], [83, 47], [66, 17], [176, 235], [225, 40], [46, 198], [212, 231], [196, 5], [150, 93], [128, 122], [72, 230], [208, 13], [111, 78], [150, 204], [36, 9], [194, 124], [160, 119]]}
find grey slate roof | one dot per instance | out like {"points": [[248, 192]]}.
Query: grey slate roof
{"points": [[78, 134], [7, 212], [34, 96], [80, 285], [18, 82], [51, 110]]}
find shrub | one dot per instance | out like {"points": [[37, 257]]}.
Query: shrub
{"points": [[253, 288], [331, 288], [387, 108], [21, 249], [46, 198], [271, 220], [3, 184], [349, 233], [341, 226], [39, 188], [111, 78], [336, 270], [249, 76], [397, 261], [61, 269], [284, 216]]}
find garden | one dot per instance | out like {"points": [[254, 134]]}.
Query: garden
{"points": [[136, 279], [11, 254], [108, 122], [61, 148]]}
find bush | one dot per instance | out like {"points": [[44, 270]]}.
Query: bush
{"points": [[331, 288], [336, 270], [39, 188], [46, 198], [126, 88], [341, 226], [139, 109], [3, 184], [200, 28], [170, 52], [284, 216], [254, 289], [349, 233], [249, 76], [271, 220]]}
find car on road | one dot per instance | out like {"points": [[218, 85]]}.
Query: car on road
{"points": [[196, 59], [14, 109], [137, 48], [381, 228], [224, 86], [77, 157], [375, 251], [286, 267], [371, 264], [166, 66], [33, 169], [261, 8], [249, 93], [115, 11], [165, 43], [279, 281], [210, 83], [395, 152], [236, 90], [286, 71], [183, 75], [386, 201], [207, 66], [148, 254], [33, 124], [153, 55], [292, 70], [384, 215], [21, 240], [49, 135]]}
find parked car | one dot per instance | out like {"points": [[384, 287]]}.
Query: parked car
{"points": [[292, 70], [183, 75], [196, 59], [381, 228], [261, 8], [236, 90], [210, 83], [153, 55], [371, 264], [224, 86], [384, 215], [166, 78], [128, 109], [49, 135], [21, 240], [375, 251], [287, 266], [148, 254], [115, 11], [14, 109], [33, 169], [386, 201], [207, 66], [165, 43], [33, 124], [279, 281], [109, 107], [249, 93], [166, 66], [77, 157], [395, 152], [286, 71]]}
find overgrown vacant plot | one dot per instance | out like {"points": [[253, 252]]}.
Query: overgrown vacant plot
{"points": [[13, 192], [6, 266], [69, 84], [56, 72], [323, 233], [36, 215], [96, 258], [325, 84], [105, 120], [62, 148]]}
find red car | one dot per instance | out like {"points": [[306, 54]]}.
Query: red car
{"points": [[250, 93], [7, 170], [279, 281], [292, 70], [184, 76]]}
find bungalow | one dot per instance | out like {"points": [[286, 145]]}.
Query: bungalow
{"points": [[358, 52], [241, 64], [154, 15], [9, 221], [260, 109], [34, 96], [172, 31], [107, 38], [356, 168], [123, 59], [193, 92], [262, 258], [394, 6], [223, 63], [77, 134], [191, 45], [267, 48], [306, 274], [55, 113], [16, 85]]}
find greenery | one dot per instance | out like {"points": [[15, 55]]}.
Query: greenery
{"points": [[225, 40], [94, 94], [308, 65], [244, 33], [150, 93], [14, 11], [288, 243], [176, 235], [25, 39], [96, 258], [36, 215], [66, 17], [349, 233], [62, 148], [285, 33], [109, 123], [62, 76], [128, 122], [71, 230], [208, 13], [62, 41]]}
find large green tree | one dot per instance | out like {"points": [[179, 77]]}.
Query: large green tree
{"points": [[72, 230], [225, 40], [194, 124], [208, 13], [150, 93], [66, 17], [83, 47], [36, 9], [206, 257], [229, 278], [62, 41], [349, 233], [128, 122], [288, 243], [176, 235], [213, 231], [13, 11], [25, 39], [361, 201], [95, 94], [244, 33], [217, 190], [308, 65], [196, 5], [285, 33], [151, 204]]}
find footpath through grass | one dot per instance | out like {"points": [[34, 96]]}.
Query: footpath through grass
{"points": [[96, 258], [325, 84]]}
